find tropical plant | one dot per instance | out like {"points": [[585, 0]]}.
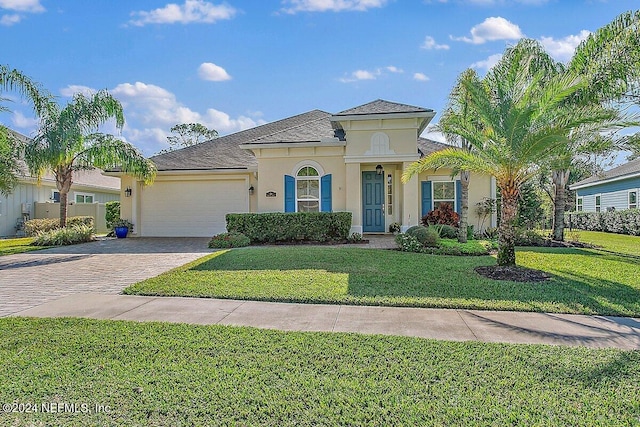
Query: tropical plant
{"points": [[14, 80], [516, 120], [68, 140]]}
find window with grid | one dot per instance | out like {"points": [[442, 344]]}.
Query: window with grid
{"points": [[307, 190]]}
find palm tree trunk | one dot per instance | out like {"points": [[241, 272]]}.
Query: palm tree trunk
{"points": [[63, 183], [506, 230], [464, 208], [560, 179]]}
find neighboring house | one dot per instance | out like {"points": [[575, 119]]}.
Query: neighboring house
{"points": [[350, 161], [27, 201], [615, 189]]}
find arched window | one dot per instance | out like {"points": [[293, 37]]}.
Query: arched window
{"points": [[307, 190]]}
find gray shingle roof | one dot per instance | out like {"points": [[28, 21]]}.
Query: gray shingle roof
{"points": [[428, 146], [631, 168], [225, 152], [313, 130], [380, 106]]}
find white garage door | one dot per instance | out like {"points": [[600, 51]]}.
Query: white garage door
{"points": [[191, 208]]}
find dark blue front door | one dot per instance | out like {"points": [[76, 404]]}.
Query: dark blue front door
{"points": [[372, 202]]}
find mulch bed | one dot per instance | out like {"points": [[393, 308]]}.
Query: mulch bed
{"points": [[512, 273]]}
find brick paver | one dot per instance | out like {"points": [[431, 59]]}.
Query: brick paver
{"points": [[106, 266]]}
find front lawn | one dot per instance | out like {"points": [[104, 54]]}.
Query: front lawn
{"points": [[584, 281], [17, 246], [620, 243], [129, 373]]}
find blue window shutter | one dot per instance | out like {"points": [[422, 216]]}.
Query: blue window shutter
{"points": [[289, 193], [458, 196], [325, 195], [427, 203]]}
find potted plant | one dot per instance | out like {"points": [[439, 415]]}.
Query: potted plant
{"points": [[394, 228], [121, 228]]}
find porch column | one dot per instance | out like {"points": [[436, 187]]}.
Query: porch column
{"points": [[354, 194], [410, 201]]}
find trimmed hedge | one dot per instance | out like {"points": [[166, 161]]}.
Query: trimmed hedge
{"points": [[78, 233], [621, 222], [35, 226], [291, 227], [229, 240]]}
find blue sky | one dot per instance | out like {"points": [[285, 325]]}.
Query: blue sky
{"points": [[239, 63]]}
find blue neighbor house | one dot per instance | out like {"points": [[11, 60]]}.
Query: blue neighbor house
{"points": [[616, 189]]}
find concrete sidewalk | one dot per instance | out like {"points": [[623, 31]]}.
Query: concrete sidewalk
{"points": [[442, 324]]}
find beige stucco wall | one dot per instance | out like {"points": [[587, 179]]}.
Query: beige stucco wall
{"points": [[402, 134], [274, 163]]}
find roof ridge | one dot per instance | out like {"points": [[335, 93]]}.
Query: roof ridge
{"points": [[292, 127]]}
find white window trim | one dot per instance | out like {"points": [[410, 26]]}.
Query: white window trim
{"points": [[634, 190], [433, 197], [597, 207], [308, 178], [53, 195], [79, 193], [578, 207]]}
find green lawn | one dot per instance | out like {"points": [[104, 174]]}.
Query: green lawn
{"points": [[584, 281], [155, 374], [620, 243], [17, 246]]}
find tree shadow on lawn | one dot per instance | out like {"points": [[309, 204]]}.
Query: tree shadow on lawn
{"points": [[398, 278]]}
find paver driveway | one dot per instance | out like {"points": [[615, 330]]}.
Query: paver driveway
{"points": [[106, 266]]}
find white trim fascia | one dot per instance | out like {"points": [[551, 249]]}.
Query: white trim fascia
{"points": [[359, 117], [382, 159], [193, 172], [74, 186], [324, 143], [604, 181]]}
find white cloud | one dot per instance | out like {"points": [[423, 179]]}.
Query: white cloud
{"points": [[151, 111], [71, 90], [491, 29], [21, 121], [433, 135], [486, 64], [430, 43], [564, 48], [212, 72], [31, 6], [189, 12], [421, 77], [9, 20], [370, 74], [331, 5]]}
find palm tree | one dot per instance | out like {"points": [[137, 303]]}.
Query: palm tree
{"points": [[609, 60], [12, 79], [68, 141], [458, 109], [516, 120]]}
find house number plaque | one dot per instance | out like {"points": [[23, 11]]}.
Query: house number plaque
{"points": [[271, 194]]}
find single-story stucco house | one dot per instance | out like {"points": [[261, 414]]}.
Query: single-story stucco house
{"points": [[30, 199], [615, 189], [316, 161]]}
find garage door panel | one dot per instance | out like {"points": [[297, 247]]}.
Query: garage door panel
{"points": [[191, 208]]}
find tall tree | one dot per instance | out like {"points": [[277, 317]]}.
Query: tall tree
{"points": [[458, 109], [68, 140], [14, 80], [188, 134], [609, 61], [517, 120]]}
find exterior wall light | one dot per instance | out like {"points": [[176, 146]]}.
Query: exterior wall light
{"points": [[128, 192], [251, 190], [379, 170]]}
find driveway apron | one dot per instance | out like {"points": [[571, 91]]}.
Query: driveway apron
{"points": [[106, 266]]}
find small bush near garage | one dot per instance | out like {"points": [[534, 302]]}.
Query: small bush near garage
{"points": [[112, 213], [229, 240], [621, 222], [80, 233], [35, 226], [276, 227]]}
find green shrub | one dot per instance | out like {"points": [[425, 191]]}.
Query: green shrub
{"points": [[72, 235], [445, 231], [291, 227], [529, 238], [453, 247], [355, 238], [408, 243], [35, 226], [622, 222], [229, 240], [112, 213], [410, 230], [427, 237]]}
